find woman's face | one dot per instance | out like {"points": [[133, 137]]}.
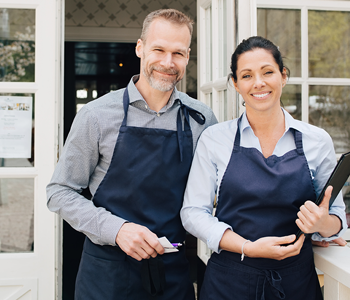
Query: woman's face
{"points": [[259, 80]]}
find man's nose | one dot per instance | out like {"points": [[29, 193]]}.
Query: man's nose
{"points": [[167, 61]]}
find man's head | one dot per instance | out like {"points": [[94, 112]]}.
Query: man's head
{"points": [[171, 15], [164, 48]]}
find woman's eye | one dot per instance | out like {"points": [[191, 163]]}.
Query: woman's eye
{"points": [[245, 76], [269, 72]]}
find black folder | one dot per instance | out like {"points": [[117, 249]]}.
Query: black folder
{"points": [[337, 180]]}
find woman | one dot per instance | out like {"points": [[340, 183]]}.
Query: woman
{"points": [[265, 168]]}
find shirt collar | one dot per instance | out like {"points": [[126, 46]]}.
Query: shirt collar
{"points": [[134, 94], [290, 122]]}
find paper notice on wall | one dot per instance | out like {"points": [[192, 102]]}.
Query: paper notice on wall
{"points": [[15, 126]]}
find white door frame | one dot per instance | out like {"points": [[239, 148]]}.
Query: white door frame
{"points": [[34, 274]]}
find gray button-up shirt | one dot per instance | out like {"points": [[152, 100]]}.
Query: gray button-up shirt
{"points": [[88, 152]]}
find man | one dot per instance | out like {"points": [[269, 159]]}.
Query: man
{"points": [[133, 148]]}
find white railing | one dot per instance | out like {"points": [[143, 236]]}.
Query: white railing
{"points": [[334, 262]]}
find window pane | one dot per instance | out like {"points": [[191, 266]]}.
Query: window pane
{"points": [[16, 214], [329, 44], [17, 44], [329, 108], [208, 44], [283, 28], [222, 38], [291, 100], [17, 130]]}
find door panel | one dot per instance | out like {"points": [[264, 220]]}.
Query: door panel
{"points": [[30, 50]]}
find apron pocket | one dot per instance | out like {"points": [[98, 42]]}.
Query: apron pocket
{"points": [[100, 278]]}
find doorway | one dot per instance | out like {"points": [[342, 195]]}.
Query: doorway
{"points": [[92, 69]]}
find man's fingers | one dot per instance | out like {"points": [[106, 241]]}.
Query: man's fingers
{"points": [[138, 241]]}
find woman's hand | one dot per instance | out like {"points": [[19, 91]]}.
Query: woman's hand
{"points": [[266, 247], [271, 247], [313, 218]]}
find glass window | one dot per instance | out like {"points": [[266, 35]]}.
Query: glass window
{"points": [[329, 44], [208, 44], [291, 100], [17, 44], [17, 130], [329, 108], [16, 214], [283, 28]]}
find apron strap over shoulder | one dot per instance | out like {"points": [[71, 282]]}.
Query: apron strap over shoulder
{"points": [[186, 111]]}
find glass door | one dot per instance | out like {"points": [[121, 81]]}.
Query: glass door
{"points": [[29, 117]]}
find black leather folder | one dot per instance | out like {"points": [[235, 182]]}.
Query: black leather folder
{"points": [[337, 180]]}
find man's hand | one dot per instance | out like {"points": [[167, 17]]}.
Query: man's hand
{"points": [[138, 241], [340, 241]]}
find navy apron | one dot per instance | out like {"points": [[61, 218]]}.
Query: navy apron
{"points": [[260, 197], [144, 184]]}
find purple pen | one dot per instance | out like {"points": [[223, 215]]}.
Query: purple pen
{"points": [[176, 244]]}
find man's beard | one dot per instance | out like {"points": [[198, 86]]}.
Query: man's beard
{"points": [[161, 84]]}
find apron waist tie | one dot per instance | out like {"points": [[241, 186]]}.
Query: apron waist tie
{"points": [[274, 279], [153, 275]]}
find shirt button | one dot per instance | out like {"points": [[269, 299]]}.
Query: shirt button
{"points": [[158, 114], [146, 106]]}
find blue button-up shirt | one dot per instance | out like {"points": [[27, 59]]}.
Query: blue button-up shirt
{"points": [[212, 157]]}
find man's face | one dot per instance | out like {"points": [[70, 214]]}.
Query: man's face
{"points": [[164, 55]]}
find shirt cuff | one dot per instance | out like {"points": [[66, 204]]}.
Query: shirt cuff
{"points": [[319, 238], [110, 228], [216, 234]]}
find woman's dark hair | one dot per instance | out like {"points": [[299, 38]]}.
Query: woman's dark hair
{"points": [[256, 42]]}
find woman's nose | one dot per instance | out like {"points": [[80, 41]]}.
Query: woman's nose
{"points": [[259, 82]]}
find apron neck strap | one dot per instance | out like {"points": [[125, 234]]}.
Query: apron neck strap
{"points": [[238, 135], [298, 141], [187, 112], [297, 138], [125, 105]]}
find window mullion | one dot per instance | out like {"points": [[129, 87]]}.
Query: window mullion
{"points": [[304, 65]]}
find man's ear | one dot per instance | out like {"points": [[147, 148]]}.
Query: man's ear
{"points": [[188, 54], [138, 48]]}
